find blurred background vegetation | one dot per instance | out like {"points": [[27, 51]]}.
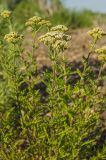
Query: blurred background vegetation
{"points": [[51, 9]]}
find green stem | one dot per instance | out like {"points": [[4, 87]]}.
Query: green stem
{"points": [[10, 26], [65, 74], [54, 74]]}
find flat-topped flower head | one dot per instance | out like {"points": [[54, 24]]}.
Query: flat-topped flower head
{"points": [[55, 35], [37, 22], [44, 23], [60, 28], [55, 39], [33, 21], [5, 14], [13, 37], [101, 50], [60, 45], [96, 33]]}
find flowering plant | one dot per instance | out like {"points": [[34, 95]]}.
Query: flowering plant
{"points": [[43, 115]]}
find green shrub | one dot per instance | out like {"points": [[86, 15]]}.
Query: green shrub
{"points": [[73, 18], [64, 127]]}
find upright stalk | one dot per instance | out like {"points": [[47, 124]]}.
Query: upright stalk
{"points": [[65, 74]]}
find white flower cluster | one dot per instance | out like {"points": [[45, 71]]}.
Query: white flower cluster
{"points": [[60, 28], [57, 40]]}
